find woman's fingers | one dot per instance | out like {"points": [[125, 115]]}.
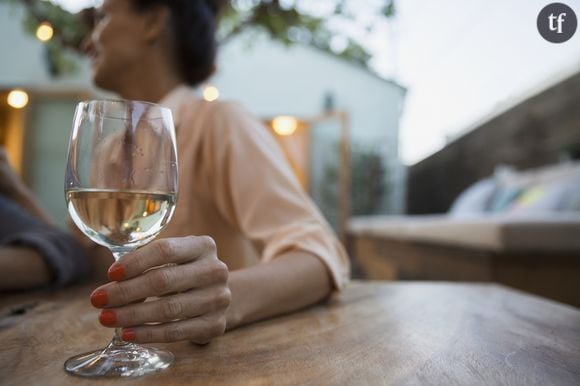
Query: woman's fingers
{"points": [[161, 252], [161, 281], [191, 284], [198, 330], [180, 306]]}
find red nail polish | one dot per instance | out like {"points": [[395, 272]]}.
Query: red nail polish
{"points": [[108, 318], [99, 298], [128, 335], [116, 272]]}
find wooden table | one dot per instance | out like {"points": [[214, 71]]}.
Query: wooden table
{"points": [[374, 333]]}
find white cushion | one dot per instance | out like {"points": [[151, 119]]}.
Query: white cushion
{"points": [[474, 199]]}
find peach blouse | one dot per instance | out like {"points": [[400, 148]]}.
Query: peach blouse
{"points": [[236, 186]]}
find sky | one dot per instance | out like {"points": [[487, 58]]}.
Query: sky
{"points": [[464, 61], [461, 61]]}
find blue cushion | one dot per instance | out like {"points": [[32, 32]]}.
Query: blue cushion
{"points": [[505, 198]]}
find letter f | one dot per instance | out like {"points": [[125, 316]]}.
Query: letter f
{"points": [[560, 21]]}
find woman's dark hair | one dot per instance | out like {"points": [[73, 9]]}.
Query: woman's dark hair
{"points": [[194, 26]]}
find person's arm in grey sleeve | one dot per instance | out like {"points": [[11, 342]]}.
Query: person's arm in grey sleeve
{"points": [[33, 253]]}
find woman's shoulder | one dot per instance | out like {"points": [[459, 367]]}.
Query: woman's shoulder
{"points": [[227, 109], [228, 115], [221, 117], [193, 104]]}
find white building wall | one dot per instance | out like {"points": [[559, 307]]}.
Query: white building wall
{"points": [[272, 79]]}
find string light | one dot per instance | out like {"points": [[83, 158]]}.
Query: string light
{"points": [[285, 125], [44, 32], [17, 99], [211, 93]]}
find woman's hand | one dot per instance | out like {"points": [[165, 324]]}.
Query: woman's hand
{"points": [[192, 288]]}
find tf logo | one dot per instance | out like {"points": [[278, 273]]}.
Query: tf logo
{"points": [[557, 23]]}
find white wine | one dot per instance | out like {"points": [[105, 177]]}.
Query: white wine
{"points": [[118, 218]]}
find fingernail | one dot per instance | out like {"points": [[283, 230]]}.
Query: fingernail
{"points": [[128, 335], [99, 298], [116, 272], [108, 318]]}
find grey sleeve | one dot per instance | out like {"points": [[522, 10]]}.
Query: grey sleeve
{"points": [[63, 255]]}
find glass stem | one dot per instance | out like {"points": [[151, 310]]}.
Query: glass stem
{"points": [[117, 340], [117, 254]]}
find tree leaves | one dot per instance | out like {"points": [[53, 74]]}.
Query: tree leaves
{"points": [[282, 21]]}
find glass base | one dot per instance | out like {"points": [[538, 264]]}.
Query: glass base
{"points": [[125, 360]]}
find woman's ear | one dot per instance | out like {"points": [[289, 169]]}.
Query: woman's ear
{"points": [[156, 21]]}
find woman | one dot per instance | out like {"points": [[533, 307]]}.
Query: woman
{"points": [[235, 187]]}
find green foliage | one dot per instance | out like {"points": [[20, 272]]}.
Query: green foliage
{"points": [[368, 181], [369, 185], [69, 32], [59, 60], [289, 26], [282, 21]]}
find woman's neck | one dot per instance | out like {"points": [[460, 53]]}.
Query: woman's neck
{"points": [[148, 90], [150, 80]]}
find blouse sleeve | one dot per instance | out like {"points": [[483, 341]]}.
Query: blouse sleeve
{"points": [[256, 190], [63, 255]]}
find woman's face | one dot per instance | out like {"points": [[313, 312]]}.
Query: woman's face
{"points": [[116, 44]]}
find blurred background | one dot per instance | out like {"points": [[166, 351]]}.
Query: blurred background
{"points": [[439, 139]]}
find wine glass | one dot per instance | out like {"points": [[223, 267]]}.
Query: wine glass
{"points": [[121, 190]]}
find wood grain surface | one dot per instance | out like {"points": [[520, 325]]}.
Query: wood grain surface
{"points": [[373, 333]]}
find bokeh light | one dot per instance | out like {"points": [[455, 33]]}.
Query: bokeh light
{"points": [[17, 99], [285, 125], [44, 32]]}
